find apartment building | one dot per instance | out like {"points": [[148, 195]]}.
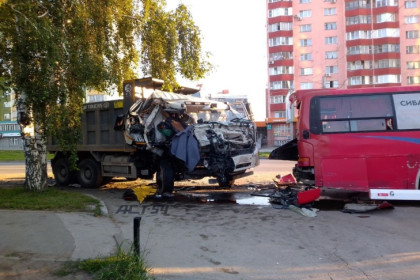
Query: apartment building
{"points": [[316, 44]]}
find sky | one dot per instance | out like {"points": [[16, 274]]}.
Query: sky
{"points": [[234, 33]]}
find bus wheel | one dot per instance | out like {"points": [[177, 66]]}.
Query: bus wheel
{"points": [[89, 175], [62, 174], [165, 177], [225, 181]]}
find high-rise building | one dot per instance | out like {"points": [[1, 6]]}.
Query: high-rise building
{"points": [[316, 44]]}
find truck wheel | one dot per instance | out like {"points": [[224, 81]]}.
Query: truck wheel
{"points": [[165, 177], [62, 173], [225, 181], [89, 175]]}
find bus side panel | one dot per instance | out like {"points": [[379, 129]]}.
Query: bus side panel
{"points": [[413, 171], [387, 172], [345, 173]]}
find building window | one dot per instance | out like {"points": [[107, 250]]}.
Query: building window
{"points": [[278, 143], [387, 48], [411, 19], [387, 79], [304, 1], [306, 56], [413, 64], [279, 12], [305, 42], [331, 70], [387, 63], [331, 84], [359, 65], [281, 56], [306, 71], [330, 11], [331, 40], [279, 114], [358, 20], [330, 26], [278, 99], [331, 55], [357, 4], [361, 49], [413, 34], [280, 85], [411, 4], [360, 80], [280, 26], [386, 32], [281, 70], [412, 49], [386, 17], [358, 34], [385, 3], [413, 80], [305, 28], [305, 13], [280, 41], [281, 130], [308, 85]]}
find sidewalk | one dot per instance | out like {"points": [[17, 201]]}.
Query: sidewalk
{"points": [[35, 244], [56, 235]]}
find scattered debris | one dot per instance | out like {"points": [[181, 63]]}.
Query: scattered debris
{"points": [[139, 193], [363, 208], [288, 195]]}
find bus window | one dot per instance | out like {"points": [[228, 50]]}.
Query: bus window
{"points": [[335, 126], [351, 113], [368, 125], [407, 110]]}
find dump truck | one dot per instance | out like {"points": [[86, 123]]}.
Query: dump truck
{"points": [[155, 134]]}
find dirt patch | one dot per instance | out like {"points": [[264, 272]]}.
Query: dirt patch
{"points": [[29, 267]]}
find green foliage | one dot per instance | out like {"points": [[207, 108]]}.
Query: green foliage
{"points": [[171, 44], [16, 156], [50, 199], [121, 266], [53, 51]]}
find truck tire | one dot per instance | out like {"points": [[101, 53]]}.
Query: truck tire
{"points": [[165, 177], [62, 174], [89, 175], [225, 181]]}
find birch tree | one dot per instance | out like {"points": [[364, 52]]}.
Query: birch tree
{"points": [[52, 51]]}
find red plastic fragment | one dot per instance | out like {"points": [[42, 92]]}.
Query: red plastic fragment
{"points": [[308, 196]]}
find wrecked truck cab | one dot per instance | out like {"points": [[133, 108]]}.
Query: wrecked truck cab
{"points": [[192, 138]]}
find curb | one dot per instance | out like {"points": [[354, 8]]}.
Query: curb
{"points": [[104, 209]]}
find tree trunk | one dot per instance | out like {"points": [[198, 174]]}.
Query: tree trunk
{"points": [[34, 148], [36, 162]]}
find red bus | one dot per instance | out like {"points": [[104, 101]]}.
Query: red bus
{"points": [[360, 139]]}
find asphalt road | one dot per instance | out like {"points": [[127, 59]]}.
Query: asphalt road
{"points": [[209, 233], [267, 169], [15, 170], [199, 238]]}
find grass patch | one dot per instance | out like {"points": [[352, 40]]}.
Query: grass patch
{"points": [[120, 266], [51, 199], [263, 154], [17, 156]]}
